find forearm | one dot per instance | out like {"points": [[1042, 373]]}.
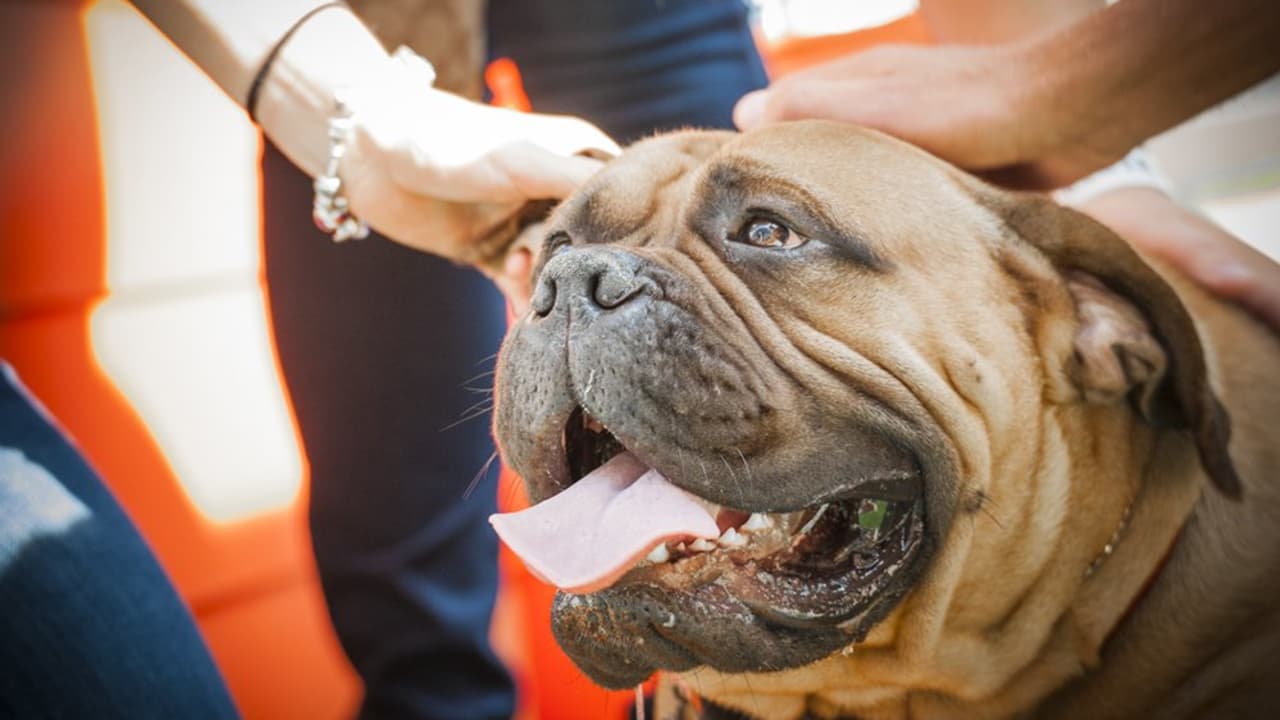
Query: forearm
{"points": [[332, 50], [231, 39], [228, 39], [1139, 67]]}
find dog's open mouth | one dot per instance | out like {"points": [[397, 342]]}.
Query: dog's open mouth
{"points": [[622, 522]]}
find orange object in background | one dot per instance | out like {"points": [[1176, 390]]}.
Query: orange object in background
{"points": [[251, 582], [788, 55], [502, 77]]}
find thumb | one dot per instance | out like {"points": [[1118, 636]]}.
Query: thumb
{"points": [[535, 172], [750, 112], [796, 99]]}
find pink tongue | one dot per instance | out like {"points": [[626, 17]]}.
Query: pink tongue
{"points": [[586, 537]]}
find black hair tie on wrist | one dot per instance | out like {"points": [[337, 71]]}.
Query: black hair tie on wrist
{"points": [[251, 102]]}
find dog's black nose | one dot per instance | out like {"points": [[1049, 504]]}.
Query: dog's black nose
{"points": [[594, 278]]}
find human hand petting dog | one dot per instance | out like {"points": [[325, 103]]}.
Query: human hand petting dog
{"points": [[426, 168], [978, 107], [448, 176], [1043, 112]]}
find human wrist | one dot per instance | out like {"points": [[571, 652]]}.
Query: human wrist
{"points": [[1087, 71], [1054, 100], [250, 103], [329, 52]]}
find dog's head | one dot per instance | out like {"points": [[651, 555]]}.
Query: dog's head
{"points": [[796, 328]]}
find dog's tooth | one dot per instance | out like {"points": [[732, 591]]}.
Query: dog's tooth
{"points": [[813, 521], [682, 548], [731, 539], [701, 545], [659, 554], [757, 521]]}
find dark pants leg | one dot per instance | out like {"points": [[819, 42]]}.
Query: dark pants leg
{"points": [[90, 626], [378, 343], [632, 68]]}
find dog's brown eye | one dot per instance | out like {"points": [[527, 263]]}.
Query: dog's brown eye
{"points": [[766, 233]]}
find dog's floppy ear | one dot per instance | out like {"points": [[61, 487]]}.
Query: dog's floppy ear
{"points": [[1116, 354], [1134, 339]]}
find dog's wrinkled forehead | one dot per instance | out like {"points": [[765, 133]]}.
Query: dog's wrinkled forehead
{"points": [[632, 189], [871, 185]]}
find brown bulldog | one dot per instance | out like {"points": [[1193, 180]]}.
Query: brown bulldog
{"points": [[820, 426]]}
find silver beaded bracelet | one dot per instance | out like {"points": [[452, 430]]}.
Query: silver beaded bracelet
{"points": [[330, 209]]}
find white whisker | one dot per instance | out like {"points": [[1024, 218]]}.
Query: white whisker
{"points": [[475, 480]]}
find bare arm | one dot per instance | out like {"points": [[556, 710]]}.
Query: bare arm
{"points": [[1150, 220], [230, 41], [1139, 67], [426, 168]]}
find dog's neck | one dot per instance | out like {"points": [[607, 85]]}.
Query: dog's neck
{"points": [[935, 656], [1115, 580]]}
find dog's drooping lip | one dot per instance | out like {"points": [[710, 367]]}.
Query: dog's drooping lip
{"points": [[822, 568], [806, 569]]}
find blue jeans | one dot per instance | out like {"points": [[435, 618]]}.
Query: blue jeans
{"points": [[89, 625]]}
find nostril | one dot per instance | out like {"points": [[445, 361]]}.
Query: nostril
{"points": [[612, 289], [587, 278], [544, 297]]}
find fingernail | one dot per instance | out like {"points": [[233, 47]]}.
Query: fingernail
{"points": [[749, 112]]}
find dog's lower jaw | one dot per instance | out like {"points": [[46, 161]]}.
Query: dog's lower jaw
{"points": [[746, 614], [899, 672]]}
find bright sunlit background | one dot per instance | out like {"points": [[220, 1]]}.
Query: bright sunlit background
{"points": [[184, 331]]}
